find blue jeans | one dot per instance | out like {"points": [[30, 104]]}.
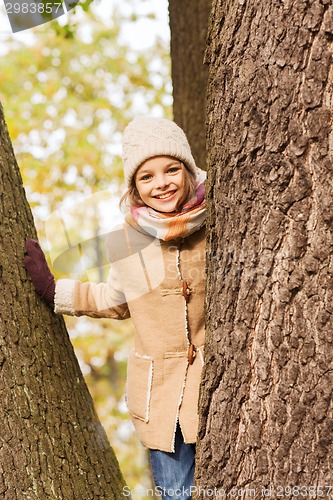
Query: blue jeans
{"points": [[174, 472]]}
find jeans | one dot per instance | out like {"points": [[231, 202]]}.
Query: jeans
{"points": [[174, 472]]}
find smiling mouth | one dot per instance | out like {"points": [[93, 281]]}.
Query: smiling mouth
{"points": [[165, 196]]}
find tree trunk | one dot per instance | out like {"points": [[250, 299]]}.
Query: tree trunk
{"points": [[52, 444], [188, 23], [266, 400]]}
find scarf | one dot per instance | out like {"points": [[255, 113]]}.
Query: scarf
{"points": [[165, 226]]}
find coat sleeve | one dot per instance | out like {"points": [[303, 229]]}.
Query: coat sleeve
{"points": [[102, 300]]}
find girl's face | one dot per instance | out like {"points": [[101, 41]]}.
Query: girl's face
{"points": [[160, 183]]}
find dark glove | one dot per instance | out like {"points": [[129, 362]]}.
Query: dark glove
{"points": [[41, 276]]}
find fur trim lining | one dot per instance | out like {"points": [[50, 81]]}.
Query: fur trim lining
{"points": [[150, 383], [178, 408], [199, 350], [63, 299]]}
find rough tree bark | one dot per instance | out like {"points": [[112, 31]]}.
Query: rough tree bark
{"points": [[51, 442], [266, 399], [188, 23]]}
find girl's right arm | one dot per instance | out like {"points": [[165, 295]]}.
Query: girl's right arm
{"points": [[103, 300]]}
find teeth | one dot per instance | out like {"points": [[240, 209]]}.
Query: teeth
{"points": [[162, 196]]}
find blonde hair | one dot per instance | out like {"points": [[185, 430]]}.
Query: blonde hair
{"points": [[132, 198]]}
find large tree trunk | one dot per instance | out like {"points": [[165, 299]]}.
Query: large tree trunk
{"points": [[188, 23], [266, 399], [52, 444]]}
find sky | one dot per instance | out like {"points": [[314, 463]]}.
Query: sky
{"points": [[142, 34]]}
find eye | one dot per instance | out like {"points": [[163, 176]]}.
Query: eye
{"points": [[146, 177], [173, 170]]}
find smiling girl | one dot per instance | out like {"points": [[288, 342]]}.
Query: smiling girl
{"points": [[163, 184], [159, 283]]}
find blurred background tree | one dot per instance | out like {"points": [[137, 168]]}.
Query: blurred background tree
{"points": [[68, 94]]}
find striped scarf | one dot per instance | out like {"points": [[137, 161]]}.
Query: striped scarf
{"points": [[165, 226]]}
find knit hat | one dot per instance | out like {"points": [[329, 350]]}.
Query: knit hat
{"points": [[146, 137]]}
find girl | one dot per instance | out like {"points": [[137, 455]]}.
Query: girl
{"points": [[158, 279]]}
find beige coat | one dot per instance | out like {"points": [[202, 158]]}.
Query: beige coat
{"points": [[147, 283]]}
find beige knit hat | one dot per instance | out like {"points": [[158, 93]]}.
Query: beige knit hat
{"points": [[146, 137]]}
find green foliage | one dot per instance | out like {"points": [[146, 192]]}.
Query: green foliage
{"points": [[67, 98], [73, 98]]}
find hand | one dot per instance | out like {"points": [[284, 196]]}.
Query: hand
{"points": [[38, 269]]}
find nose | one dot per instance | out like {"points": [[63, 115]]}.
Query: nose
{"points": [[161, 181]]}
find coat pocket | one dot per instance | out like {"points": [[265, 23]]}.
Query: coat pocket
{"points": [[139, 384]]}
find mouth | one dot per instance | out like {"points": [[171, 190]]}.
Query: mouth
{"points": [[165, 196]]}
